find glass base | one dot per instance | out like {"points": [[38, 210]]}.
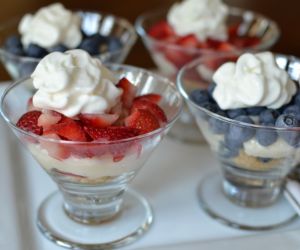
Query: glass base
{"points": [[216, 204], [133, 220]]}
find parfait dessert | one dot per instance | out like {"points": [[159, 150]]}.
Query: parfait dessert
{"points": [[55, 28], [91, 128], [191, 29], [249, 115]]}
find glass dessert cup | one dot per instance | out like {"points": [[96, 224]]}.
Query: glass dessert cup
{"points": [[94, 208], [247, 194], [92, 23], [251, 24]]}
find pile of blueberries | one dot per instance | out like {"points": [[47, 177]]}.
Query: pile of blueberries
{"points": [[235, 135], [94, 45]]}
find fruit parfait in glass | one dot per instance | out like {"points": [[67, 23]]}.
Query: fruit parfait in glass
{"points": [[52, 28], [250, 117], [91, 128], [193, 28]]}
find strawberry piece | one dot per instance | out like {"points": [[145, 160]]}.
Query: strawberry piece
{"points": [[29, 122], [161, 30], [69, 130], [155, 98], [143, 120], [189, 41], [152, 107], [56, 150], [98, 120], [224, 46], [110, 133], [129, 91], [48, 118]]}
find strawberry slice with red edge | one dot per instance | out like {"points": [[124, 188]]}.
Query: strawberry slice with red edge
{"points": [[152, 107], [69, 130], [155, 98], [98, 120], [142, 120], [29, 122], [161, 30], [189, 41], [129, 91], [110, 133]]}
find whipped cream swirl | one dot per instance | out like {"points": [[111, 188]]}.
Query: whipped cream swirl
{"points": [[72, 83], [50, 26], [203, 18], [254, 80]]}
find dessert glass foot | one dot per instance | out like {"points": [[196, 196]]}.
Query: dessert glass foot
{"points": [[221, 208], [127, 225]]}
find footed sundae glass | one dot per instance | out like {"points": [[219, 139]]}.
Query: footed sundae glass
{"points": [[94, 208], [91, 23], [170, 57], [254, 160]]}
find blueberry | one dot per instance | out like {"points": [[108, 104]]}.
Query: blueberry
{"points": [[289, 121], [199, 96], [228, 151], [293, 110], [233, 113], [266, 137], [18, 51], [268, 116], [93, 44], [297, 99], [13, 45], [254, 111], [238, 134], [211, 87], [210, 107], [13, 42], [59, 48], [36, 51], [114, 44], [218, 126]]}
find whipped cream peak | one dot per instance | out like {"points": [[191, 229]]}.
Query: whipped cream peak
{"points": [[50, 26], [203, 18], [73, 82], [254, 80]]}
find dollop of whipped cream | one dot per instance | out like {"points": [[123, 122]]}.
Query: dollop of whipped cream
{"points": [[254, 80], [72, 83], [203, 18], [50, 26]]}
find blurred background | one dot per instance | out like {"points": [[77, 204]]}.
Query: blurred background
{"points": [[283, 12]]}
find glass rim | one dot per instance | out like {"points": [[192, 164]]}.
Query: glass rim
{"points": [[139, 137], [120, 20], [183, 92], [232, 11]]}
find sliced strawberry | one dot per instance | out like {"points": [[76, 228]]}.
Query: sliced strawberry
{"points": [[56, 150], [98, 120], [178, 57], [69, 130], [225, 46], [110, 133], [189, 41], [155, 98], [29, 122], [49, 118], [152, 107], [143, 120], [129, 91], [161, 30]]}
